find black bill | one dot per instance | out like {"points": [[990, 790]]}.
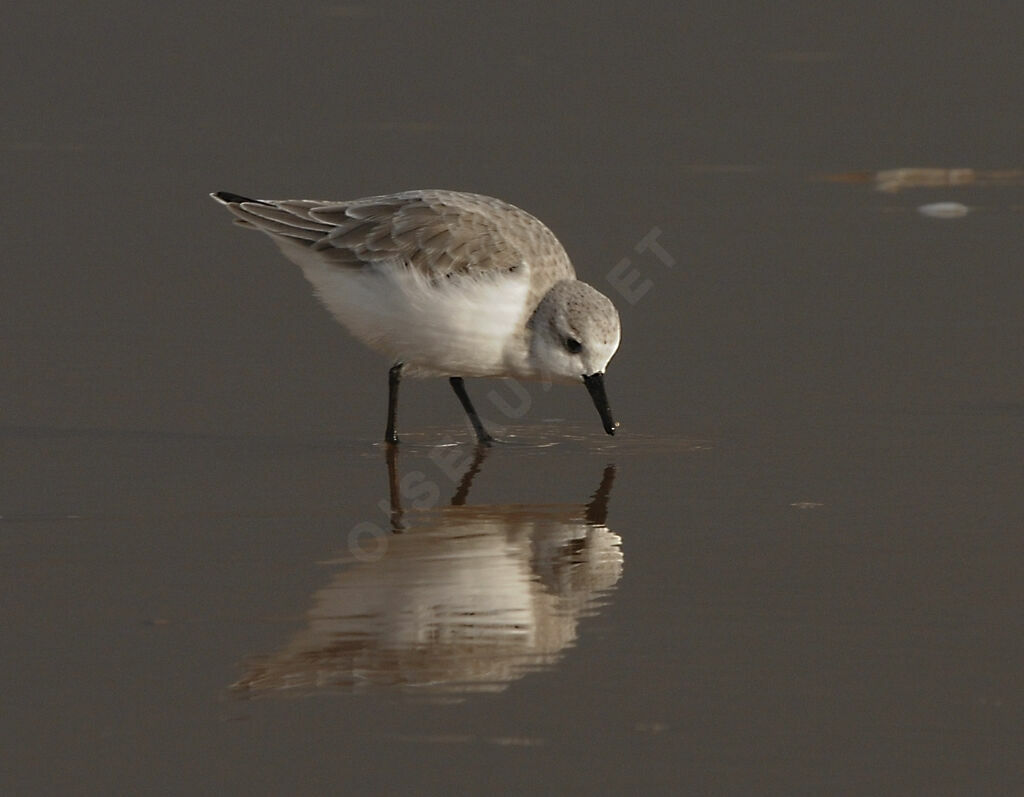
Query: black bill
{"points": [[595, 386]]}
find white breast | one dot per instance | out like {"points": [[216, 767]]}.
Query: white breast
{"points": [[458, 327]]}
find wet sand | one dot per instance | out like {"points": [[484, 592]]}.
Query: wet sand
{"points": [[795, 570]]}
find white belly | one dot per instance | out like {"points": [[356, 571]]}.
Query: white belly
{"points": [[456, 328]]}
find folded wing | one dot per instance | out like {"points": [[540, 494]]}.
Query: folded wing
{"points": [[440, 233]]}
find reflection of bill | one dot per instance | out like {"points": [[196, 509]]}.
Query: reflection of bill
{"points": [[466, 598]]}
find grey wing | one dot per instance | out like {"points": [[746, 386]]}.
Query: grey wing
{"points": [[439, 233], [289, 217]]}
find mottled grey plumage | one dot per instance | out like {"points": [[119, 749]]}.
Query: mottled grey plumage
{"points": [[439, 233]]}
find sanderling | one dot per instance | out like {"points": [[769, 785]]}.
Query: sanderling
{"points": [[447, 284]]}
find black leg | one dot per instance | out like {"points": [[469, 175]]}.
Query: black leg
{"points": [[467, 405], [394, 377]]}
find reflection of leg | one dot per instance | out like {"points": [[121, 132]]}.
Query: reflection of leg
{"points": [[460, 390], [597, 509], [459, 499], [394, 377], [393, 493]]}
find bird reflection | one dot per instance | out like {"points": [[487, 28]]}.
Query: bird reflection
{"points": [[455, 599]]}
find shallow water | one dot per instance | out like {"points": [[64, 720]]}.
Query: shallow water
{"points": [[796, 569]]}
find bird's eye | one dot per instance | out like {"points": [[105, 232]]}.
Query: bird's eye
{"points": [[573, 346]]}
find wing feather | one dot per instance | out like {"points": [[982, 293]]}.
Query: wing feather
{"points": [[439, 233]]}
